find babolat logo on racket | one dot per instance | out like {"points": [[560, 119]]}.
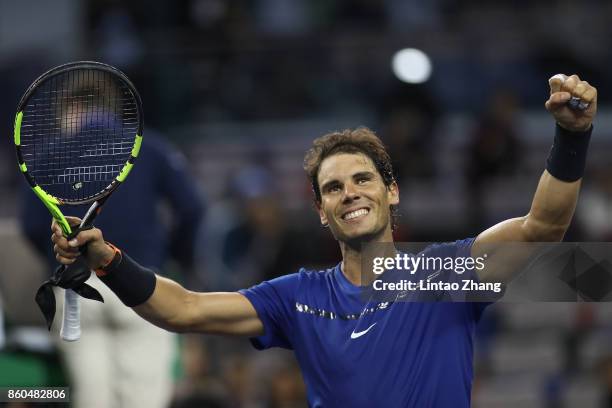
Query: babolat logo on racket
{"points": [[77, 186]]}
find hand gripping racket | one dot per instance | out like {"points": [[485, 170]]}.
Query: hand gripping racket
{"points": [[78, 131]]}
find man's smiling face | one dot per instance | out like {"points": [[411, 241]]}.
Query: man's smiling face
{"points": [[354, 199]]}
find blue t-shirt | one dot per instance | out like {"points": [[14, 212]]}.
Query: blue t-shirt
{"points": [[395, 354]]}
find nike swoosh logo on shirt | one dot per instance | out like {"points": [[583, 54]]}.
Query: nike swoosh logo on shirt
{"points": [[361, 333]]}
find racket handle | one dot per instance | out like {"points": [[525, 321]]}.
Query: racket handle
{"points": [[577, 104], [71, 323]]}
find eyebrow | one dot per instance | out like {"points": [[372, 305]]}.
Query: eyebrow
{"points": [[364, 174], [368, 174]]}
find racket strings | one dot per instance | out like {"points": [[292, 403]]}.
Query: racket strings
{"points": [[78, 130], [90, 173]]}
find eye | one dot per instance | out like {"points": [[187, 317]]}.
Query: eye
{"points": [[332, 188], [362, 180]]}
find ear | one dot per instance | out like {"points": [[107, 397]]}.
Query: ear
{"points": [[322, 215], [393, 193]]}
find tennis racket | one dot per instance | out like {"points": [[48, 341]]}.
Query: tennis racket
{"points": [[78, 131]]}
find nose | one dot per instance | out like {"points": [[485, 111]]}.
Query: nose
{"points": [[350, 193]]}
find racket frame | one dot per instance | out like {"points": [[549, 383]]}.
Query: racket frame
{"points": [[51, 202], [71, 329]]}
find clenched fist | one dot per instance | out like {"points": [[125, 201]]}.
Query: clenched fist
{"points": [[562, 89]]}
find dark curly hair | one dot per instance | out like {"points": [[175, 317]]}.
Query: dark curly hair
{"points": [[359, 140]]}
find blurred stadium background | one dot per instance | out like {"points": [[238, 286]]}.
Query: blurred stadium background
{"points": [[243, 86]]}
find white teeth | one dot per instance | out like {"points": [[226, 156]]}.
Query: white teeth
{"points": [[356, 213]]}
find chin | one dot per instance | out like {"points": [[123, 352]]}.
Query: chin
{"points": [[360, 234]]}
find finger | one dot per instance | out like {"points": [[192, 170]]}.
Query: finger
{"points": [[73, 221], [580, 89], [60, 241], [70, 253], [570, 84], [557, 100], [58, 237], [84, 237], [555, 82], [64, 261], [589, 95], [55, 237], [55, 226], [62, 245]]}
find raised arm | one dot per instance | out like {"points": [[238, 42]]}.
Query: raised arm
{"points": [[554, 202], [159, 300]]}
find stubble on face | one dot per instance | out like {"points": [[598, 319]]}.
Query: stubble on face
{"points": [[354, 199]]}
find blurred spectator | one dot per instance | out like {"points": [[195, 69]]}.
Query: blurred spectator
{"points": [[16, 74], [489, 327], [239, 379], [605, 370], [198, 385], [117, 38], [594, 211], [253, 230], [258, 239], [408, 120], [287, 388], [122, 360], [495, 146], [584, 322], [494, 150]]}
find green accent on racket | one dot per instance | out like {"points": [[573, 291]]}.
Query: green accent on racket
{"points": [[136, 148], [124, 172], [52, 205], [17, 128]]}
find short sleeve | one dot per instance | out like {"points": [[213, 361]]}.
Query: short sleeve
{"points": [[461, 249], [273, 301]]}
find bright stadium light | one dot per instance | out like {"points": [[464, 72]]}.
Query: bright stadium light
{"points": [[411, 65]]}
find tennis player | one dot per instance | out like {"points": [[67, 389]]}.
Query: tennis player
{"points": [[354, 354]]}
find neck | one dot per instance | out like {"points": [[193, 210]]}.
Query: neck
{"points": [[353, 252]]}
